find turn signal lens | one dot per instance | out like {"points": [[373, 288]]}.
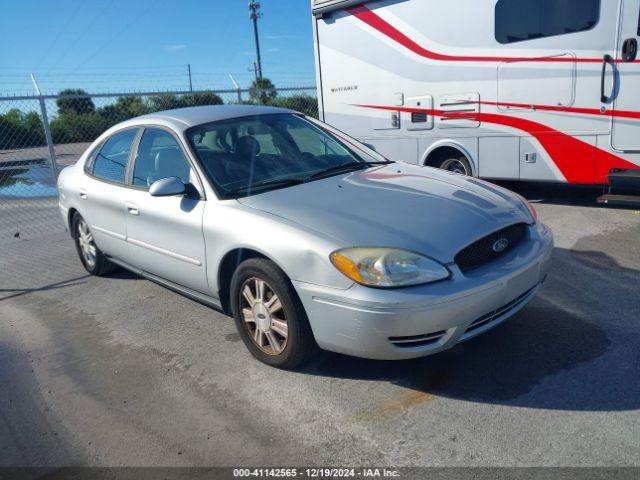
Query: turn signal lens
{"points": [[387, 267]]}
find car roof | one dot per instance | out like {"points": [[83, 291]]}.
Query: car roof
{"points": [[183, 118]]}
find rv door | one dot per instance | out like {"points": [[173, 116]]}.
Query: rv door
{"points": [[626, 93]]}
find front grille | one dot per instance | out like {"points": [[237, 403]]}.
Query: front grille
{"points": [[481, 252], [417, 340], [499, 312]]}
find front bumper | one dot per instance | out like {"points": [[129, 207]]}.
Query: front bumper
{"points": [[418, 321]]}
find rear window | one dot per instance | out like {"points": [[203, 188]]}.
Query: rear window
{"points": [[520, 20]]}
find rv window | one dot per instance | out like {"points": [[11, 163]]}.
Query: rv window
{"points": [[520, 20]]}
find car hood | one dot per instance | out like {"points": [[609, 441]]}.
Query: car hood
{"points": [[398, 205]]}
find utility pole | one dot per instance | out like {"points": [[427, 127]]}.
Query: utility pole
{"points": [[189, 72], [254, 70], [254, 14]]}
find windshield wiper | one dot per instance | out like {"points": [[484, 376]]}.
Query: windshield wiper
{"points": [[344, 167], [274, 183]]}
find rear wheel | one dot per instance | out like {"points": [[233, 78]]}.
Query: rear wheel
{"points": [[92, 258], [269, 316]]}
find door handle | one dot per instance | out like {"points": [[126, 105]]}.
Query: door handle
{"points": [[132, 209], [83, 194], [605, 61], [629, 50]]}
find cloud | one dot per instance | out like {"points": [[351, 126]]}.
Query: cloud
{"points": [[174, 48], [273, 49], [248, 53]]}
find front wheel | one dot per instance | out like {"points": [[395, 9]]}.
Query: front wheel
{"points": [[269, 315]]}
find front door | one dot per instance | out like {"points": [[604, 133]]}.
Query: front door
{"points": [[165, 234], [625, 136]]}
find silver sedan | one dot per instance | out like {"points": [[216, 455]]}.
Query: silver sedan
{"points": [[308, 238]]}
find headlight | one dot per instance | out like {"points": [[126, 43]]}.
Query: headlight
{"points": [[387, 267]]}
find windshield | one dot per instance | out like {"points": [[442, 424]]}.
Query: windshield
{"points": [[256, 153]]}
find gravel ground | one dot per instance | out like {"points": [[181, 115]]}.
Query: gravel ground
{"points": [[120, 371]]}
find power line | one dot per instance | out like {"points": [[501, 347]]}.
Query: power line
{"points": [[66, 51], [114, 36], [60, 32]]}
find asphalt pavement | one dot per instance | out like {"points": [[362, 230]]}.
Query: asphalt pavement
{"points": [[120, 371]]}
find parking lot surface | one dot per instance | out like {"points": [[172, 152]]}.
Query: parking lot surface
{"points": [[120, 371]]}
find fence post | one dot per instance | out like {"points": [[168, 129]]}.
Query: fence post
{"points": [[237, 87], [47, 129]]}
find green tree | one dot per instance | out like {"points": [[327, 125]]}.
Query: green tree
{"points": [[79, 105], [262, 91], [164, 102], [71, 127], [124, 109], [302, 103], [20, 130], [201, 98]]}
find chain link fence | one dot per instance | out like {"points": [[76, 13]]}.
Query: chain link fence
{"points": [[31, 155]]}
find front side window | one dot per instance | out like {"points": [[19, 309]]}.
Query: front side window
{"points": [[520, 20], [249, 151], [111, 162], [159, 156]]}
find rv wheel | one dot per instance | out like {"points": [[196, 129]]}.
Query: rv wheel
{"points": [[457, 165]]}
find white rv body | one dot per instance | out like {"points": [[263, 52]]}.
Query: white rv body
{"points": [[524, 89]]}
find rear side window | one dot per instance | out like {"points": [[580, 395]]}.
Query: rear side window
{"points": [[111, 162], [520, 20]]}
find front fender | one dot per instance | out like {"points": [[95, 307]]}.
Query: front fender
{"points": [[302, 253]]}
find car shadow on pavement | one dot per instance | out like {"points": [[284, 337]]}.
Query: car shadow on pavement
{"points": [[561, 194], [561, 352]]}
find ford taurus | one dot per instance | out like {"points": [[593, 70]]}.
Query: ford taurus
{"points": [[307, 237]]}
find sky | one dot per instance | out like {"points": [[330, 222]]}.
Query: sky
{"points": [[135, 45]]}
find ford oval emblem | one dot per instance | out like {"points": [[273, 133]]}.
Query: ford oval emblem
{"points": [[500, 245]]}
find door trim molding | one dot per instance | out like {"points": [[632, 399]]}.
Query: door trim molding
{"points": [[162, 251], [119, 236]]}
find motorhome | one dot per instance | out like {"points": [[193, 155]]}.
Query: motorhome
{"points": [[543, 90]]}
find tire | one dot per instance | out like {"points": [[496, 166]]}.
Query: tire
{"points": [[263, 321], [456, 163], [97, 264]]}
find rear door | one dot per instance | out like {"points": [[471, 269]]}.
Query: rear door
{"points": [[627, 91], [165, 234], [103, 191]]}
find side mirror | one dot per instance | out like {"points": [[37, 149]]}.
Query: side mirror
{"points": [[167, 187], [369, 146]]}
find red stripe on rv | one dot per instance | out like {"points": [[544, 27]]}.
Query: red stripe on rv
{"points": [[373, 20], [578, 161], [578, 110]]}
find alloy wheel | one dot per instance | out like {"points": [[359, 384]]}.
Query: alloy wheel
{"points": [[264, 316], [87, 244]]}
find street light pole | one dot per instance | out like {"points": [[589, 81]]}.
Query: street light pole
{"points": [[255, 14]]}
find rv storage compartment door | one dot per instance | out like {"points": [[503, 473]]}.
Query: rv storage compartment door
{"points": [[420, 120], [385, 119], [459, 111]]}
